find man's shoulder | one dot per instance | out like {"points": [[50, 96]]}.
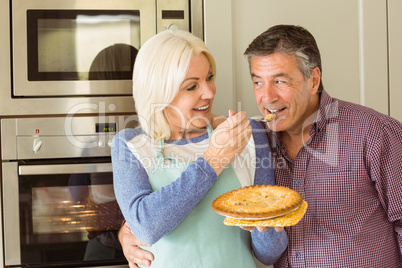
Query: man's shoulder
{"points": [[356, 113], [352, 113]]}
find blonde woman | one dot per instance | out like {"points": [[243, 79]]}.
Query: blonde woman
{"points": [[169, 170]]}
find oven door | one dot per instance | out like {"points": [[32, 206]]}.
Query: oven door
{"points": [[89, 45], [66, 215]]}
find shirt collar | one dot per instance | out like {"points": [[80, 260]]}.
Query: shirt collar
{"points": [[328, 109]]}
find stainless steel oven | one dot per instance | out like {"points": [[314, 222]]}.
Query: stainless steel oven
{"points": [[58, 203], [77, 55]]}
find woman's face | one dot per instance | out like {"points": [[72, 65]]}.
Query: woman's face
{"points": [[190, 111]]}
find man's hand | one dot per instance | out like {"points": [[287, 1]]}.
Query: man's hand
{"points": [[134, 254]]}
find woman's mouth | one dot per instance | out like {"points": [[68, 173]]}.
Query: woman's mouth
{"points": [[201, 109]]}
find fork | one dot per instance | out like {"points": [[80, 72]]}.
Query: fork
{"points": [[262, 118]]}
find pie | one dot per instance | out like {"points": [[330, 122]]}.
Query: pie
{"points": [[257, 202], [290, 219], [270, 117]]}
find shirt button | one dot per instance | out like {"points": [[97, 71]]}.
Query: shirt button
{"points": [[298, 182], [297, 255]]}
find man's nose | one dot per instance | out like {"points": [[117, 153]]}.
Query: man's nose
{"points": [[270, 94]]}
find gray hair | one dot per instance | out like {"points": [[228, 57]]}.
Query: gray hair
{"points": [[289, 40]]}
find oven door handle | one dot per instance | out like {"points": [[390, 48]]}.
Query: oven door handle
{"points": [[64, 169]]}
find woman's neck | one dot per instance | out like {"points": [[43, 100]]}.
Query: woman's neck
{"points": [[187, 134]]}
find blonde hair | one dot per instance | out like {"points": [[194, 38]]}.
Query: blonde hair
{"points": [[159, 70]]}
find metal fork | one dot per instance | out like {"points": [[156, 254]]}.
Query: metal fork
{"points": [[262, 118]]}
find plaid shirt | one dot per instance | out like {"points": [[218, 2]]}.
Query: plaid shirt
{"points": [[350, 174]]}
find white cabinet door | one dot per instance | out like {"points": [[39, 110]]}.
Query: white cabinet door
{"points": [[395, 58], [351, 35], [218, 37]]}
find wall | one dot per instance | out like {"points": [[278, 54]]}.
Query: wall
{"points": [[352, 37], [395, 57]]}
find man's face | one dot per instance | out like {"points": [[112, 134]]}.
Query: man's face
{"points": [[280, 88]]}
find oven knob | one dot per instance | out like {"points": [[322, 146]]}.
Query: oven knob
{"points": [[109, 143], [174, 27], [101, 144], [36, 145]]}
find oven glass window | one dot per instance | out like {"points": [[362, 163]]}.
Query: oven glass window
{"points": [[82, 44], [69, 218]]}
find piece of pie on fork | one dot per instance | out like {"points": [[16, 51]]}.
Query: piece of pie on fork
{"points": [[270, 117]]}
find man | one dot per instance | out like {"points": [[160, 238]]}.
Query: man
{"points": [[343, 158]]}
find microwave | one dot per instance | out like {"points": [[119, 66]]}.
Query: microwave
{"points": [[77, 56]]}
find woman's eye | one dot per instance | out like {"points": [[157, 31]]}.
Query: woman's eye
{"points": [[192, 88], [210, 77]]}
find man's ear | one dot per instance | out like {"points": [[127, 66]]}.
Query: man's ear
{"points": [[315, 80]]}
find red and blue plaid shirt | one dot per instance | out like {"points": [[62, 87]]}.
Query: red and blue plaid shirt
{"points": [[350, 173]]}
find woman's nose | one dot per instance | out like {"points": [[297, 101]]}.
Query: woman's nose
{"points": [[209, 91]]}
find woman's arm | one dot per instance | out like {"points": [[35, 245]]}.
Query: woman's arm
{"points": [[269, 244], [149, 214]]}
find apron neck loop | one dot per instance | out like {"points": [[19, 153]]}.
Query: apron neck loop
{"points": [[159, 151], [161, 144], [209, 130]]}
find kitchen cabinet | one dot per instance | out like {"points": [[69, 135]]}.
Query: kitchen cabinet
{"points": [[352, 36]]}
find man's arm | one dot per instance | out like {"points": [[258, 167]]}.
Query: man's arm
{"points": [[384, 155], [133, 253]]}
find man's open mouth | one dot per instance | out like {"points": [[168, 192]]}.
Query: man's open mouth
{"points": [[275, 111]]}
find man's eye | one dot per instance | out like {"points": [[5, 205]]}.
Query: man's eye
{"points": [[280, 82], [257, 83]]}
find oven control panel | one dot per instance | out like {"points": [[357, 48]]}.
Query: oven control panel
{"points": [[61, 137]]}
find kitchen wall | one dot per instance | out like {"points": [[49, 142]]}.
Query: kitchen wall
{"points": [[353, 37], [395, 57]]}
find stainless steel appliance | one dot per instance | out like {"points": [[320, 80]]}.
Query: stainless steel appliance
{"points": [[76, 56], [59, 208]]}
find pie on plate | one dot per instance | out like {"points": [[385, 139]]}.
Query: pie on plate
{"points": [[250, 205], [289, 219]]}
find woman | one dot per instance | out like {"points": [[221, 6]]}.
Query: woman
{"points": [[168, 171]]}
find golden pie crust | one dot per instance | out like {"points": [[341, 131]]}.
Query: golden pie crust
{"points": [[290, 219], [257, 202]]}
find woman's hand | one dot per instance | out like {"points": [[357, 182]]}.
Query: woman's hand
{"points": [[228, 140], [131, 250]]}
